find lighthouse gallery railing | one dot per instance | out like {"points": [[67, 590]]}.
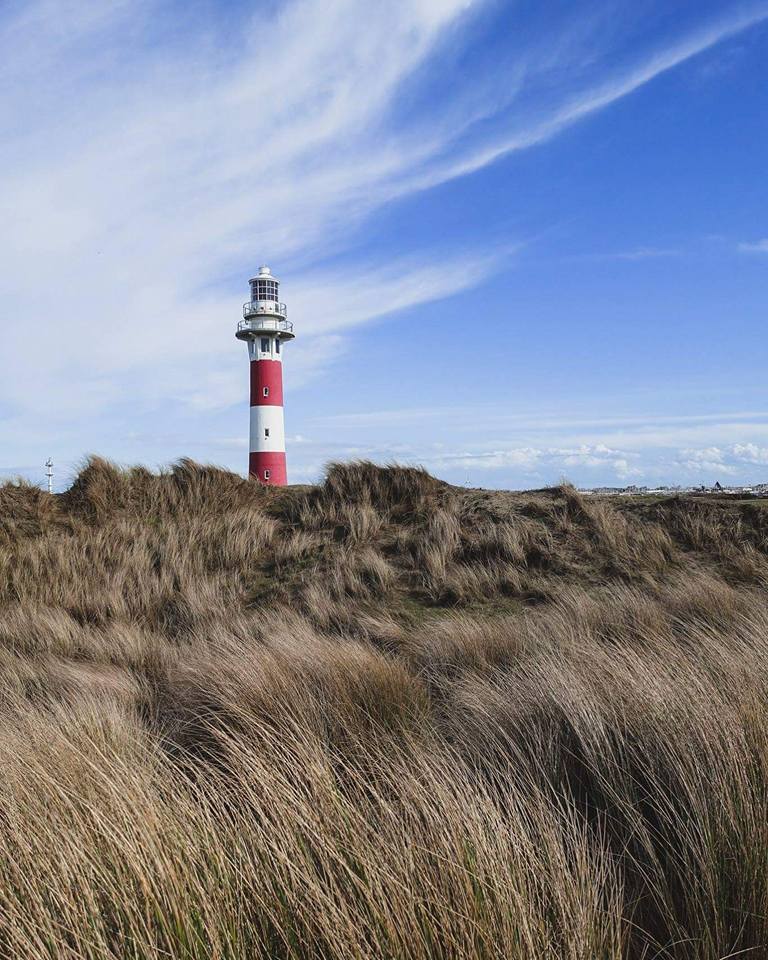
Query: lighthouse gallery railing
{"points": [[256, 308], [257, 321]]}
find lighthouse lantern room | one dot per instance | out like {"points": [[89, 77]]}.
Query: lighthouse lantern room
{"points": [[265, 328]]}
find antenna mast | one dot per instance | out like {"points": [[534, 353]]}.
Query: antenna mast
{"points": [[49, 473]]}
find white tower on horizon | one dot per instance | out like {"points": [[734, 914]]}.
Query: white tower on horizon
{"points": [[265, 328]]}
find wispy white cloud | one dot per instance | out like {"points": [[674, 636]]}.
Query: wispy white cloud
{"points": [[757, 246], [330, 304], [638, 255], [548, 461], [329, 300], [158, 165], [602, 94], [550, 420], [163, 179]]}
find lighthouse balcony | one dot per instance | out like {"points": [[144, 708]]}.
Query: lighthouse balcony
{"points": [[257, 323], [268, 308]]}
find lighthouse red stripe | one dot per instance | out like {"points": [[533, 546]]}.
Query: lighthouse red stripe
{"points": [[266, 373], [274, 463]]}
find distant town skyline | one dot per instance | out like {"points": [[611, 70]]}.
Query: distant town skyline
{"points": [[519, 242]]}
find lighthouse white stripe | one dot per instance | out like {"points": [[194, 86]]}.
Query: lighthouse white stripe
{"points": [[265, 418]]}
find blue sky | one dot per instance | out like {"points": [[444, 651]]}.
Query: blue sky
{"points": [[519, 241]]}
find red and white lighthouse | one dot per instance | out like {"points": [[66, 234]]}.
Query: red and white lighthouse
{"points": [[265, 328]]}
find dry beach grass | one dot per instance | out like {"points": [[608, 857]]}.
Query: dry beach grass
{"points": [[379, 718]]}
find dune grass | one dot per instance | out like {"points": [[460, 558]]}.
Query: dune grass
{"points": [[379, 718]]}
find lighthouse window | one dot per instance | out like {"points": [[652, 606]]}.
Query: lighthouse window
{"points": [[266, 474], [266, 432], [277, 346], [266, 391], [266, 289], [265, 344]]}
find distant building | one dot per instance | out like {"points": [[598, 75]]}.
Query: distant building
{"points": [[755, 490]]}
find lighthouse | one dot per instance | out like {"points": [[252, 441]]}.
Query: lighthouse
{"points": [[265, 328]]}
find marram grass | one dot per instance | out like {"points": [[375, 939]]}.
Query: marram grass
{"points": [[379, 718]]}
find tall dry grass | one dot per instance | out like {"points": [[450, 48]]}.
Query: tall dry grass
{"points": [[379, 718]]}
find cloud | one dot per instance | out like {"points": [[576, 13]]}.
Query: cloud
{"points": [[707, 455], [750, 453], [343, 305], [164, 179], [730, 460], [165, 156], [380, 291], [527, 458], [698, 467], [757, 246], [625, 471], [638, 255], [587, 456], [638, 431], [536, 460], [534, 446], [591, 450], [602, 94]]}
